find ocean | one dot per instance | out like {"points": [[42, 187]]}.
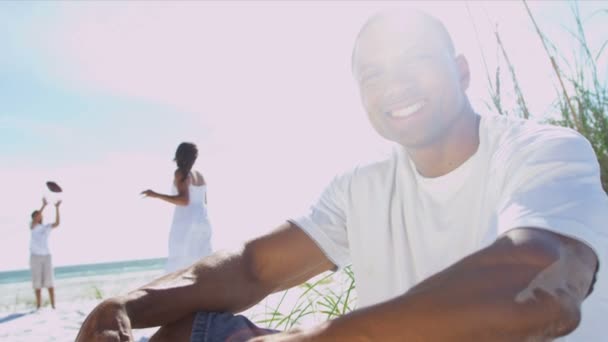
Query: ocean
{"points": [[87, 270], [80, 282]]}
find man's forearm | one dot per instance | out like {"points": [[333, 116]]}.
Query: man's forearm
{"points": [[457, 309], [476, 299], [221, 282]]}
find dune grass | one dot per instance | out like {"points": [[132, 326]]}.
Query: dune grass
{"points": [[581, 95], [322, 298]]}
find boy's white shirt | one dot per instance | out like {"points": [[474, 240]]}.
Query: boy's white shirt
{"points": [[39, 241]]}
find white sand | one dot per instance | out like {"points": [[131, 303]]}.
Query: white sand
{"points": [[76, 297]]}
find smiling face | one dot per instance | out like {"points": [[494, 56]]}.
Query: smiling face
{"points": [[412, 86]]}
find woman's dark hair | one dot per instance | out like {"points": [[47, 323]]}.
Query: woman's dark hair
{"points": [[185, 156]]}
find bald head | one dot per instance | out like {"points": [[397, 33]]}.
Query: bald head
{"points": [[400, 31]]}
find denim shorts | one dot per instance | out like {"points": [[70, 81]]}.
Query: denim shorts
{"points": [[224, 327]]}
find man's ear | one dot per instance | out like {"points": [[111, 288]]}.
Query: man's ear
{"points": [[464, 72]]}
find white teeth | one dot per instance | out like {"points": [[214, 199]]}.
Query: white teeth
{"points": [[403, 112]]}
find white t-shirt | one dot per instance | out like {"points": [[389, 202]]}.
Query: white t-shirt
{"points": [[397, 228], [39, 242]]}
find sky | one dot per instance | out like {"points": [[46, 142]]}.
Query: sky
{"points": [[97, 96]]}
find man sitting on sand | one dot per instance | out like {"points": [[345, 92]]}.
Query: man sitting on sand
{"points": [[41, 264], [476, 228]]}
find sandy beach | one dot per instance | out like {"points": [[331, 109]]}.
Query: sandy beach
{"points": [[76, 297]]}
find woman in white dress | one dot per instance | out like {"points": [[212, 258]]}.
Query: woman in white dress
{"points": [[190, 235]]}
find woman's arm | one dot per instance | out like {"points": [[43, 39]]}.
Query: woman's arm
{"points": [[182, 197]]}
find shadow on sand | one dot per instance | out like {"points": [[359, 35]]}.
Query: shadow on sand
{"points": [[15, 316]]}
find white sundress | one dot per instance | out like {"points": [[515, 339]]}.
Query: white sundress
{"points": [[190, 235]]}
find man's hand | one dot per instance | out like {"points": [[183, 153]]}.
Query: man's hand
{"points": [[44, 202], [108, 322], [57, 204]]}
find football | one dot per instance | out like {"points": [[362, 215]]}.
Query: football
{"points": [[53, 187]]}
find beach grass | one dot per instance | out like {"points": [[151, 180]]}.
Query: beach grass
{"points": [[581, 94], [322, 298]]}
